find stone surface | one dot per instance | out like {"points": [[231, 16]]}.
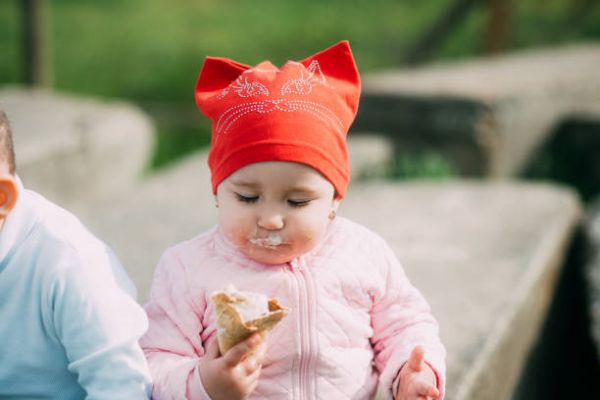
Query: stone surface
{"points": [[370, 154], [489, 115], [74, 149], [172, 205]]}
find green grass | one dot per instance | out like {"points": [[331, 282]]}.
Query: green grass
{"points": [[150, 51], [425, 164], [153, 49]]}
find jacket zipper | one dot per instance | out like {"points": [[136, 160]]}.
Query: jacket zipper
{"points": [[306, 314]]}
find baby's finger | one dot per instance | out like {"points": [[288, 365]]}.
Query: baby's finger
{"points": [[251, 381], [253, 361], [426, 390], [253, 377], [251, 365], [237, 352], [259, 352], [415, 360], [212, 349]]}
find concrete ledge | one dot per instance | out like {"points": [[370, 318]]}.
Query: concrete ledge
{"points": [[489, 115], [370, 154], [74, 149], [139, 224]]}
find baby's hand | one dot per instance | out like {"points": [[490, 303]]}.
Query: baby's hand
{"points": [[417, 379], [235, 374]]}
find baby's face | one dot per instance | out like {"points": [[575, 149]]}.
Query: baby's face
{"points": [[275, 211]]}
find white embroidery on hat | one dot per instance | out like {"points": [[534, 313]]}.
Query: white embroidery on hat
{"points": [[233, 114], [223, 93], [312, 76], [309, 78], [243, 88]]}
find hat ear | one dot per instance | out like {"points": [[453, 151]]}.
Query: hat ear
{"points": [[216, 74], [337, 62]]}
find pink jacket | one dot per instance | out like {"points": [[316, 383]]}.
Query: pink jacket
{"points": [[354, 317]]}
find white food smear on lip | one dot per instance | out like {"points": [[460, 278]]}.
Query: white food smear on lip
{"points": [[254, 305], [272, 240]]}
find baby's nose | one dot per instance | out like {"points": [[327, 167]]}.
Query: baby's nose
{"points": [[270, 220]]}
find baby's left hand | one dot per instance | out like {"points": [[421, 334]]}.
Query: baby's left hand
{"points": [[417, 379]]}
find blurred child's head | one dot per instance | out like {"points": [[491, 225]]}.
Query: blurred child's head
{"points": [[8, 184], [279, 147]]}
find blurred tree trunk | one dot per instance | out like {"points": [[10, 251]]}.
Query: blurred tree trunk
{"points": [[499, 27], [37, 60], [452, 16]]}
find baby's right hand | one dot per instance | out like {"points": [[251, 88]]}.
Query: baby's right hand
{"points": [[235, 374]]}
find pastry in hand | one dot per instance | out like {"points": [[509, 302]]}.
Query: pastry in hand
{"points": [[240, 314]]}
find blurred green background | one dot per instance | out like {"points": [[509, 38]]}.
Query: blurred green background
{"points": [[150, 51]]}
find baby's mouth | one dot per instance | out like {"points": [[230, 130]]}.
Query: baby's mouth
{"points": [[270, 242]]}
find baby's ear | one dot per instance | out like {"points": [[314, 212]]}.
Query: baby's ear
{"points": [[9, 192]]}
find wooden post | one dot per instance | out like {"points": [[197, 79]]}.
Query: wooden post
{"points": [[37, 62], [499, 25]]}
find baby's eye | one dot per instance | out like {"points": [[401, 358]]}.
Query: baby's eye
{"points": [[246, 199], [298, 203]]}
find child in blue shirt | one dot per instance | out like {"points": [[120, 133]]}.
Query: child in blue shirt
{"points": [[69, 322]]}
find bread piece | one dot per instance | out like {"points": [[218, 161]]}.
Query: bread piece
{"points": [[240, 314]]}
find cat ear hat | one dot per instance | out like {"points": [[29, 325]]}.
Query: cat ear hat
{"points": [[300, 112]]}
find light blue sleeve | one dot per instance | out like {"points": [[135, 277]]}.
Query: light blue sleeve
{"points": [[120, 275], [99, 325]]}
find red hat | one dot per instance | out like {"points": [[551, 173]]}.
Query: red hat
{"points": [[300, 112]]}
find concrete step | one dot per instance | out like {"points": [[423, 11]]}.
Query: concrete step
{"points": [[487, 116], [74, 149]]}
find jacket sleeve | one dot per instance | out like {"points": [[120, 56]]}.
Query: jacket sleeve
{"points": [[99, 326], [172, 344], [401, 320]]}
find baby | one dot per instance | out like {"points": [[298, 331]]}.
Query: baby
{"points": [[279, 169], [70, 322]]}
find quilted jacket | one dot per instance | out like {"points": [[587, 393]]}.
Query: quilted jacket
{"points": [[354, 317]]}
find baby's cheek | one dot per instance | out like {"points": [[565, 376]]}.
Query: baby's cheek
{"points": [[237, 235], [307, 237]]}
